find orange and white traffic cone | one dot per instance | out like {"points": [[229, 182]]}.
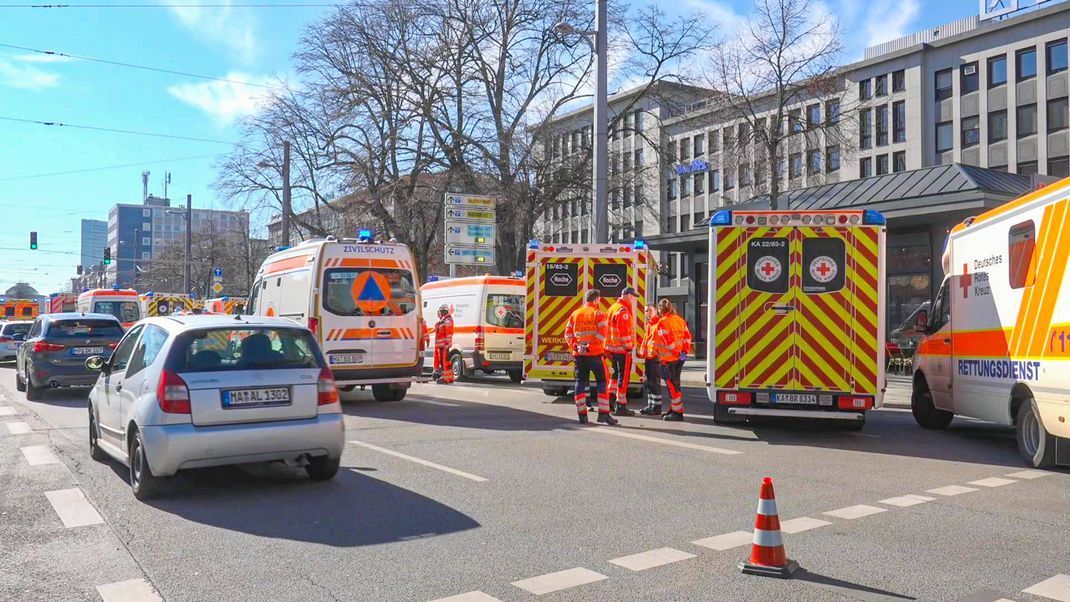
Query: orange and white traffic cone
{"points": [[767, 556]]}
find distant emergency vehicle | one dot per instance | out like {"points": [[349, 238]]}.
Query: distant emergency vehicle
{"points": [[558, 275], [165, 304], [124, 304], [359, 298], [19, 309], [225, 305], [488, 323], [61, 302], [997, 344], [796, 314]]}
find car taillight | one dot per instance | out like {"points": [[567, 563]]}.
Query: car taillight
{"points": [[326, 390], [313, 324], [480, 340], [733, 398], [113, 345], [422, 336], [172, 393], [40, 346], [5, 339], [850, 402]]}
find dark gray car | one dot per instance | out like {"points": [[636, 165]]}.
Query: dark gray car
{"points": [[56, 348]]}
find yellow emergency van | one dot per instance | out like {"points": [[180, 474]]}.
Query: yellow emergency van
{"points": [[155, 304], [796, 315], [225, 305]]}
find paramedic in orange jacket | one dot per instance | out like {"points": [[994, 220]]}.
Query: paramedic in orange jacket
{"points": [[585, 334], [673, 343], [652, 363], [619, 346], [443, 371]]}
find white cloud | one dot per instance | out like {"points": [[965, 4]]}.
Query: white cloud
{"points": [[234, 30], [887, 20], [720, 14], [26, 77], [225, 101]]}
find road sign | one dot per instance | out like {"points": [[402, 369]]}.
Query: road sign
{"points": [[470, 234], [217, 272], [217, 287], [468, 254], [468, 214], [469, 200]]}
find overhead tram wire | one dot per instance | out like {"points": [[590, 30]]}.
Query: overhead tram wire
{"points": [[107, 167], [114, 130], [142, 67]]}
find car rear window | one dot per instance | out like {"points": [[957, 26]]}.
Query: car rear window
{"points": [[85, 329], [222, 349], [17, 328]]}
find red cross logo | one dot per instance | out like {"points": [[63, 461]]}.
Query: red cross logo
{"points": [[966, 281], [824, 269], [768, 268]]}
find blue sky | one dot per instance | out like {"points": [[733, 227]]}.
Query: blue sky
{"points": [[247, 44]]}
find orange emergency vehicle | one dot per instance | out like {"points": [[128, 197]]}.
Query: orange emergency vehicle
{"points": [[19, 309], [62, 302]]}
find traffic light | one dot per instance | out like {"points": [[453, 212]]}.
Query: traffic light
{"points": [[107, 255], [79, 270], [33, 241]]}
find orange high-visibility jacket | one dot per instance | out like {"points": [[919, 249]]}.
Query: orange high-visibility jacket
{"points": [[647, 347], [621, 335], [444, 332], [673, 338], [587, 326]]}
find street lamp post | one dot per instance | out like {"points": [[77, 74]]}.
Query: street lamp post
{"points": [[600, 212]]}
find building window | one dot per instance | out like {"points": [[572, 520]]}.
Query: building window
{"points": [[726, 138], [146, 242], [882, 164], [1021, 244], [715, 180], [1026, 64], [685, 149], [794, 165], [997, 126], [899, 161], [627, 130], [899, 121], [729, 180], [971, 131], [1056, 54], [945, 136], [865, 128], [832, 112], [712, 137], [832, 158], [637, 159], [865, 167], [1059, 167], [685, 186], [1027, 120], [943, 85], [813, 116], [864, 91], [881, 85], [638, 119], [743, 134], [1057, 114], [700, 184], [744, 176], [882, 125], [145, 255], [672, 182], [1027, 168], [795, 121], [584, 236], [899, 81], [627, 196], [971, 79], [813, 162], [146, 212], [759, 174], [699, 145], [997, 71]]}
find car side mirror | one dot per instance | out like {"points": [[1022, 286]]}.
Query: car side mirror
{"points": [[18, 336], [921, 321], [97, 363]]}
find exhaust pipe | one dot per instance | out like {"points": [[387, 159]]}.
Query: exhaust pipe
{"points": [[54, 384]]}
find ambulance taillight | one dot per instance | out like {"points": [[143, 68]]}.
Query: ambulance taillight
{"points": [[734, 398], [480, 339], [854, 402], [313, 324]]}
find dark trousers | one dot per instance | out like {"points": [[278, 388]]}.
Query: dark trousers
{"points": [[652, 369], [672, 372], [585, 365], [622, 375]]}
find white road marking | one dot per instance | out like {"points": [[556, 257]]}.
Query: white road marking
{"points": [[803, 523], [906, 500], [18, 428], [131, 590], [37, 455], [853, 512], [651, 559], [993, 482], [452, 471], [726, 541], [950, 490], [73, 508], [476, 596], [1030, 474], [1056, 588], [436, 403], [553, 582], [8, 411], [608, 430]]}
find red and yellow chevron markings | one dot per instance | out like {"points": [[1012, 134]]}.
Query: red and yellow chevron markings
{"points": [[1030, 335]]}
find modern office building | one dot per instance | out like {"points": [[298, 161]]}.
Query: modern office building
{"points": [[94, 239]]}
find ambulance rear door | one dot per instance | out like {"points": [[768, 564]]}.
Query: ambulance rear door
{"points": [[503, 319], [556, 281], [611, 269]]}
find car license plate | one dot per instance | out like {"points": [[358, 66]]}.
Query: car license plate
{"points": [[345, 358], [799, 398], [498, 356], [557, 356], [87, 350], [268, 396]]}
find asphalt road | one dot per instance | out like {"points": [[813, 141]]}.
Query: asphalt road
{"points": [[474, 487]]}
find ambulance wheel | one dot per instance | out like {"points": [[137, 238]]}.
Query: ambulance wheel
{"points": [[515, 375], [853, 425], [553, 391], [387, 393], [1035, 445], [925, 413], [457, 365]]}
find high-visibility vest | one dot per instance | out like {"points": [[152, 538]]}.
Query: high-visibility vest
{"points": [[621, 335], [647, 348], [587, 326], [444, 332], [673, 338]]}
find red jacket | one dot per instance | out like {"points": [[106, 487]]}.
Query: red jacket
{"points": [[444, 332]]}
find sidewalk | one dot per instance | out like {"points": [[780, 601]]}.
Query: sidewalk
{"points": [[897, 395]]}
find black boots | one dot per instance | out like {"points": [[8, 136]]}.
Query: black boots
{"points": [[673, 417], [583, 418], [624, 411], [607, 419]]}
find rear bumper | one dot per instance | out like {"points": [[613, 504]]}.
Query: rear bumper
{"points": [[50, 376], [175, 447], [747, 411], [482, 361], [374, 375]]}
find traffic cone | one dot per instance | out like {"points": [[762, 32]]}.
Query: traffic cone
{"points": [[767, 556]]}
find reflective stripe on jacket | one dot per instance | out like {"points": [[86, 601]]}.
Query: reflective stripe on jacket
{"points": [[444, 332], [587, 326], [621, 335], [647, 348], [673, 338]]}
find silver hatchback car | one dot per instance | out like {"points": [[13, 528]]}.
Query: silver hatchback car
{"points": [[196, 391]]}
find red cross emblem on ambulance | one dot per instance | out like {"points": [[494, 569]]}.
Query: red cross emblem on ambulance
{"points": [[768, 268], [966, 281], [823, 269]]}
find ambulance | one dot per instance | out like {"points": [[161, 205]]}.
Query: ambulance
{"points": [[124, 304], [165, 304], [61, 302], [225, 305], [796, 315], [19, 309], [558, 276], [488, 323], [359, 298], [997, 340]]}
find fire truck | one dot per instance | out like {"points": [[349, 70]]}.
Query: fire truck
{"points": [[558, 276], [796, 315]]}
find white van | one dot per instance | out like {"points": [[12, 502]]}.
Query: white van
{"points": [[488, 323], [360, 300]]}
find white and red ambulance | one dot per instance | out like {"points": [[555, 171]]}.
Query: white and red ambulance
{"points": [[997, 340], [123, 303]]}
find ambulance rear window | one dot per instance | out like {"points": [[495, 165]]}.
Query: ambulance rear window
{"points": [[505, 311], [824, 262], [1021, 244], [767, 265], [369, 292]]}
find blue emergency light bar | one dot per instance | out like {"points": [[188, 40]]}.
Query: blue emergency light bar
{"points": [[873, 218], [365, 235], [115, 286], [533, 244], [432, 278], [639, 244], [281, 248], [721, 218]]}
